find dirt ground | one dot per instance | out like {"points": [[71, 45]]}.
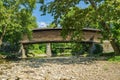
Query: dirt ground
{"points": [[60, 68]]}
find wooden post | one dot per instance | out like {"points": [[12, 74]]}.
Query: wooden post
{"points": [[48, 50], [23, 51]]}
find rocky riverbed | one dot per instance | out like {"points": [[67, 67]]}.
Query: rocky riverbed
{"points": [[65, 68]]}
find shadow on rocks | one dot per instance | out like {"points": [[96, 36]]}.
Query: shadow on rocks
{"points": [[37, 62]]}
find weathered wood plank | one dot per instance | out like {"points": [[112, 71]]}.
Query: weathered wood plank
{"points": [[54, 35]]}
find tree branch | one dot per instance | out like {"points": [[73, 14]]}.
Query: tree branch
{"points": [[92, 2], [102, 22], [3, 33]]}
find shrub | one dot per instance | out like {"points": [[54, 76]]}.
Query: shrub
{"points": [[98, 49], [11, 57], [54, 52], [79, 49], [115, 58]]}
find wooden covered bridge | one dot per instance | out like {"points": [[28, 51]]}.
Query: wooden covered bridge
{"points": [[53, 35]]}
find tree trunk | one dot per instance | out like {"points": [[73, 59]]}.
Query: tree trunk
{"points": [[3, 33], [115, 46], [107, 28]]}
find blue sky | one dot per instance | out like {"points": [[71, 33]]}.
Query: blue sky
{"points": [[42, 21], [45, 20]]}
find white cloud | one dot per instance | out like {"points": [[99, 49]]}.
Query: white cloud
{"points": [[42, 24]]}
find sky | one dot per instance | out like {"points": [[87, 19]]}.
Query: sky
{"points": [[42, 21], [45, 20]]}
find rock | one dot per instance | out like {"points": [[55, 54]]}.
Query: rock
{"points": [[60, 69]]}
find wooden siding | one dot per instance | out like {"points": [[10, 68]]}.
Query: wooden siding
{"points": [[54, 35]]}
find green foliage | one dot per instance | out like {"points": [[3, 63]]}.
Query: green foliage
{"points": [[56, 48], [16, 20], [9, 56], [3, 53], [37, 48], [60, 48], [52, 25], [79, 49], [83, 49], [98, 49], [57, 8], [115, 59], [103, 15], [110, 54], [116, 33]]}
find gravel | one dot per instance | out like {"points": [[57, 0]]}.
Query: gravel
{"points": [[64, 68]]}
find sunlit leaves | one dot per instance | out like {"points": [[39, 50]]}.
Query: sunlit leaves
{"points": [[101, 14], [16, 15], [57, 8]]}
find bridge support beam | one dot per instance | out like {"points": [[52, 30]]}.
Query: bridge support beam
{"points": [[23, 51], [92, 48], [48, 50]]}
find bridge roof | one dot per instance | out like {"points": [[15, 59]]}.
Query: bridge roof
{"points": [[46, 35], [36, 42], [47, 29]]}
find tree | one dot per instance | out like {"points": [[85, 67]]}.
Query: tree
{"points": [[52, 25], [16, 20], [103, 15]]}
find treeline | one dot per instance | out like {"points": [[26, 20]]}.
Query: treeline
{"points": [[16, 20]]}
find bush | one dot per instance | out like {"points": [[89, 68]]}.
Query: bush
{"points": [[79, 49], [11, 57], [115, 58], [110, 54], [54, 52], [98, 49]]}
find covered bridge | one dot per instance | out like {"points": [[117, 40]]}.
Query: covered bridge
{"points": [[53, 35]]}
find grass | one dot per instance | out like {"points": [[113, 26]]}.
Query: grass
{"points": [[64, 54], [111, 57], [114, 59]]}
